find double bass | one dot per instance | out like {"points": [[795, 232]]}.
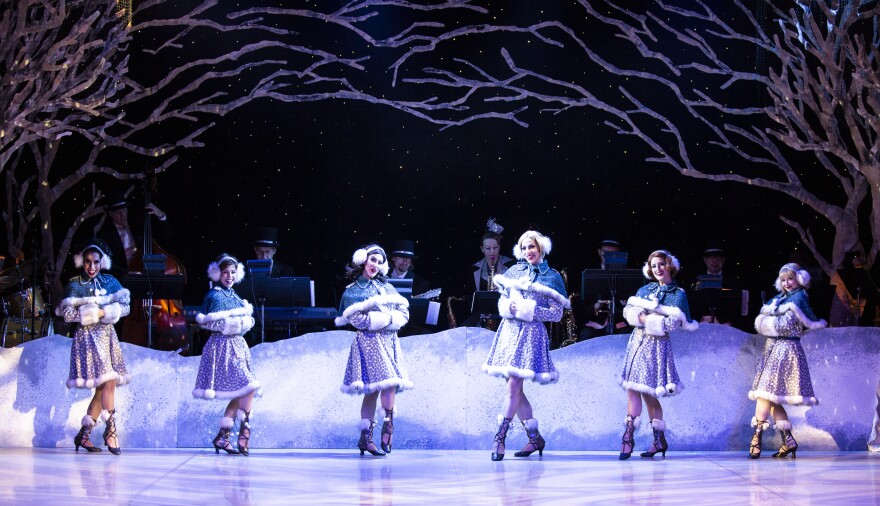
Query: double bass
{"points": [[165, 316]]}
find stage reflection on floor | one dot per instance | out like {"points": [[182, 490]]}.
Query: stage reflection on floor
{"points": [[198, 476]]}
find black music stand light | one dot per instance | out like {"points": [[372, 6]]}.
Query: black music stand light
{"points": [[280, 292], [151, 285], [611, 285]]}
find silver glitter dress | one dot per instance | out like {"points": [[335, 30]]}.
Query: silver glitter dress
{"points": [[95, 355], [784, 376], [375, 360], [521, 346], [649, 366], [225, 369]]}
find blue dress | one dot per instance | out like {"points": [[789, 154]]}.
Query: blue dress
{"points": [[649, 366], [784, 376], [95, 355], [225, 369], [375, 360], [521, 346]]}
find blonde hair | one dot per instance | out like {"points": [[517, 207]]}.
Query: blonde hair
{"points": [[669, 257], [542, 241], [792, 269]]}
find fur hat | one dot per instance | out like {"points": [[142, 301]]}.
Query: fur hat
{"points": [[214, 268], [98, 245], [801, 275], [646, 269], [542, 240], [362, 254]]}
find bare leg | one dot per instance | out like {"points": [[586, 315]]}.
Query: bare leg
{"points": [[633, 404], [779, 413], [95, 406], [762, 412], [655, 410], [524, 410], [368, 406], [762, 409], [514, 395], [108, 402], [231, 409]]}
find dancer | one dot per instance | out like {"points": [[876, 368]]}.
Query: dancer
{"points": [[96, 301], [649, 369], [375, 363], [226, 370], [531, 293], [784, 377]]}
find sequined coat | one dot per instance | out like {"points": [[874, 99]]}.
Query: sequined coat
{"points": [[649, 365], [784, 376], [95, 354], [225, 369], [375, 359], [521, 346]]}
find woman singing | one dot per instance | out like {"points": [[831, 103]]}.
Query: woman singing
{"points": [[649, 369], [96, 301], [225, 370], [375, 363], [784, 377], [531, 293]]}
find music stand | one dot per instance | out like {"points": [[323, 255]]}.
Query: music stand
{"points": [[275, 292], [614, 260], [611, 285], [403, 286], [150, 286], [723, 302], [259, 268]]}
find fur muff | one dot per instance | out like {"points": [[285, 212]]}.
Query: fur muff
{"points": [[521, 285], [631, 315], [397, 321], [525, 310], [112, 312], [650, 303], [766, 325], [88, 314], [654, 324], [374, 303], [245, 310], [122, 296], [379, 320]]}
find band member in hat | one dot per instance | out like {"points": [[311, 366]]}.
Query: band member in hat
{"points": [[375, 363], [402, 256], [124, 239], [265, 246], [225, 369], [95, 300], [531, 293]]}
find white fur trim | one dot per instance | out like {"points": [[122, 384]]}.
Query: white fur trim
{"points": [[379, 320], [650, 303], [122, 296], [232, 326], [380, 412], [669, 311], [764, 424], [782, 425], [530, 424], [397, 321], [92, 383], [769, 309], [227, 422], [374, 303], [358, 387], [805, 321], [88, 314], [654, 324], [239, 415], [88, 422], [517, 286], [525, 310], [543, 241], [658, 424], [214, 270], [245, 310], [504, 307], [792, 400], [662, 391], [364, 424], [111, 313], [637, 421], [766, 325], [544, 378], [105, 415], [631, 315], [340, 321]]}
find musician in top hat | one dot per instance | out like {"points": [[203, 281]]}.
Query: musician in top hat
{"points": [[124, 232], [265, 246], [403, 252]]}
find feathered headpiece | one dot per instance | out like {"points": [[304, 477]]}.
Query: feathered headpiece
{"points": [[96, 245], [542, 240], [214, 268], [646, 270], [361, 255], [494, 227]]}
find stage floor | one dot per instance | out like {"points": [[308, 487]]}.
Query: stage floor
{"points": [[306, 477]]}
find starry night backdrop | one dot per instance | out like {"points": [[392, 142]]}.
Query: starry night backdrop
{"points": [[333, 175]]}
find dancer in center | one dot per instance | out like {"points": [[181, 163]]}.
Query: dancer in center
{"points": [[531, 293], [225, 369], [375, 363], [649, 369]]}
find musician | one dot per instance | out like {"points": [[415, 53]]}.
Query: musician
{"points": [[714, 257], [531, 293], [265, 246], [595, 312], [375, 362], [123, 239], [225, 369], [96, 301], [402, 256], [493, 262]]}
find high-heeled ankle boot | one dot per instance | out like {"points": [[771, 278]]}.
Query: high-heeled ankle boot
{"points": [[244, 432], [109, 418], [659, 445], [755, 446], [221, 441], [789, 445], [500, 437], [536, 442], [387, 430], [82, 437], [628, 441], [366, 426]]}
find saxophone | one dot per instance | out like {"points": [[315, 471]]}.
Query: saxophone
{"points": [[452, 321], [569, 327], [490, 285]]}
